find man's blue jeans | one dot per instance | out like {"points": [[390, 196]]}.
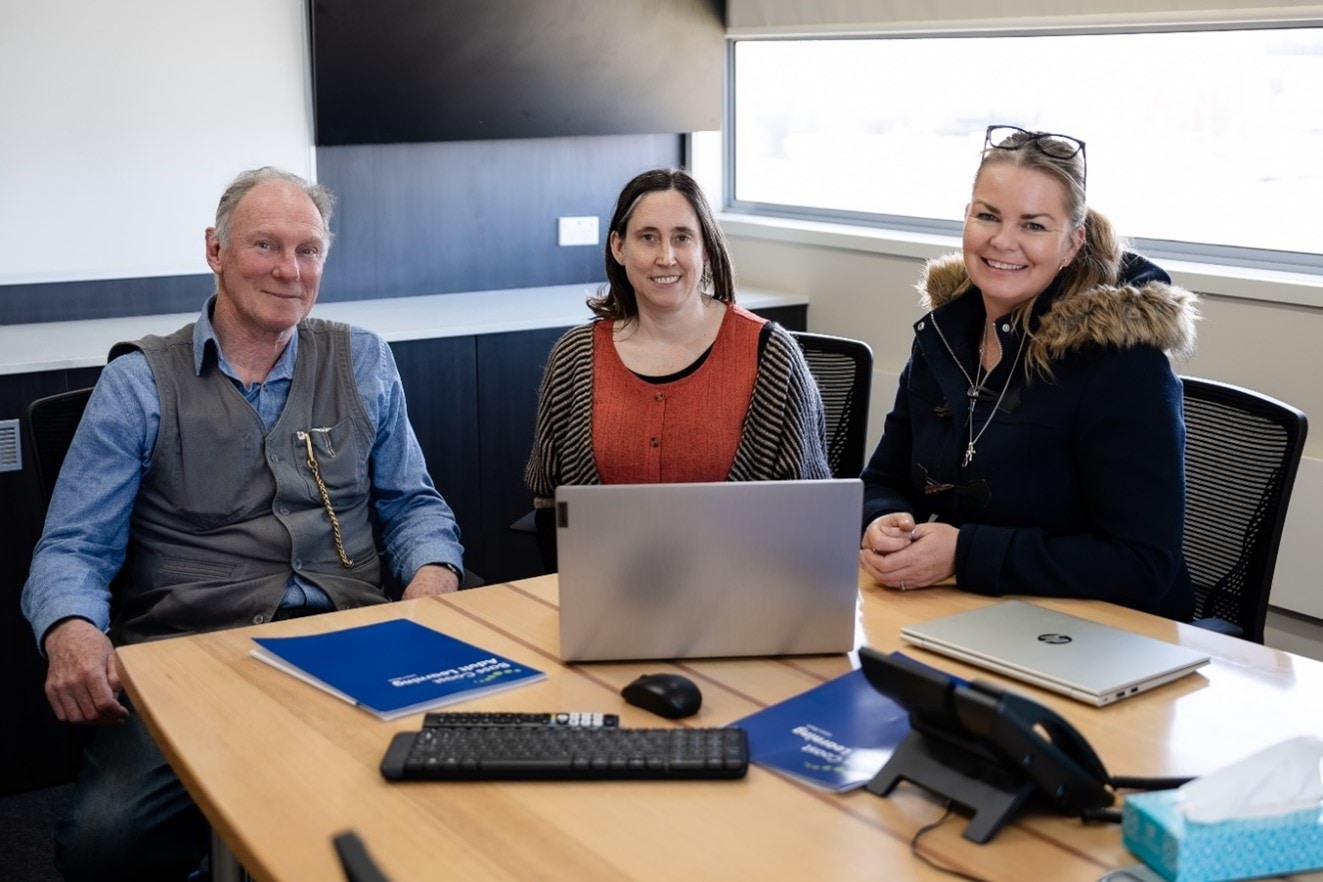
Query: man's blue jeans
{"points": [[129, 817]]}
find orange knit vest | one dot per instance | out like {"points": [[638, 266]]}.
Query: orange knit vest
{"points": [[686, 430]]}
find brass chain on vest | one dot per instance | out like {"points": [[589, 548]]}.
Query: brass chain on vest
{"points": [[345, 560]]}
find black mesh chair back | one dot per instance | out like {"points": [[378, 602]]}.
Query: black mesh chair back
{"points": [[52, 422], [843, 369], [1242, 450]]}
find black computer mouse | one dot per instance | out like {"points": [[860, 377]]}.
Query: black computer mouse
{"points": [[667, 695]]}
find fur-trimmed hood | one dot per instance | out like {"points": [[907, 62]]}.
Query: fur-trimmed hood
{"points": [[1145, 309]]}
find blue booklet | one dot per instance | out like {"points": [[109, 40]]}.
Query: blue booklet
{"points": [[394, 668], [837, 735]]}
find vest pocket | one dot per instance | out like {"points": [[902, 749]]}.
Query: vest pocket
{"points": [[335, 450], [367, 565], [180, 566]]}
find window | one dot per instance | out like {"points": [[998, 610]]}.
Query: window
{"points": [[1211, 137]]}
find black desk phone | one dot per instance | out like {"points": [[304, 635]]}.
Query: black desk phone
{"points": [[983, 747]]}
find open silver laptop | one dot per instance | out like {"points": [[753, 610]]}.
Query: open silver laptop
{"points": [[659, 571], [1093, 663]]}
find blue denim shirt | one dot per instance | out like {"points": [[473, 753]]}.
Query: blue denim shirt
{"points": [[87, 525]]}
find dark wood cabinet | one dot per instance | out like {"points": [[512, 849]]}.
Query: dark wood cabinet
{"points": [[509, 374], [440, 382]]}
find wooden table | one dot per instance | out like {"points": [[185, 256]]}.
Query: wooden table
{"points": [[279, 767]]}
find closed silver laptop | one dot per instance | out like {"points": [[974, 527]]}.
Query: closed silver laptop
{"points": [[660, 571], [1089, 662]]}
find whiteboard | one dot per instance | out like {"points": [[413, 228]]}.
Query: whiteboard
{"points": [[121, 123]]}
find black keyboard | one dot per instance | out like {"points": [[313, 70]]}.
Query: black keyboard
{"points": [[485, 753]]}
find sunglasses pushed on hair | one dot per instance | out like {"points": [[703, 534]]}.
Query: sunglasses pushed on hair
{"points": [[1048, 143]]}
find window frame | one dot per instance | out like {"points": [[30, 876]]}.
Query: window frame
{"points": [[1195, 253]]}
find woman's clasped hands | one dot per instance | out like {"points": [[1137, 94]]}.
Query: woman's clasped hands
{"points": [[902, 554]]}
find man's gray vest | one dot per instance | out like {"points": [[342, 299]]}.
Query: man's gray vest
{"points": [[228, 512]]}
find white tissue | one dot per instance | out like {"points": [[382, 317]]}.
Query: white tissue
{"points": [[1277, 780]]}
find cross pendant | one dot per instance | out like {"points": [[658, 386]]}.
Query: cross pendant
{"points": [[969, 454]]}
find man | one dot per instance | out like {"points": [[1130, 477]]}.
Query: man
{"points": [[241, 460]]}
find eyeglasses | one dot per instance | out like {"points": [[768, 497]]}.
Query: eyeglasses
{"points": [[1049, 143]]}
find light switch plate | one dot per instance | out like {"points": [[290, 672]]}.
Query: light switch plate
{"points": [[576, 231]]}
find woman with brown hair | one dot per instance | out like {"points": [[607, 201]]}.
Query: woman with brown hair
{"points": [[673, 381]]}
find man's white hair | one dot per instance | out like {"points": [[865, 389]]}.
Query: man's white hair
{"points": [[321, 196]]}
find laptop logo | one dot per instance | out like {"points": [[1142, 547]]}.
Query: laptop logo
{"points": [[1054, 639]]}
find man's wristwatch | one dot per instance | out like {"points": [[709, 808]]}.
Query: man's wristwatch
{"points": [[459, 574]]}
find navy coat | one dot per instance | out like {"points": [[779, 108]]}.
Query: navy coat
{"points": [[1077, 486]]}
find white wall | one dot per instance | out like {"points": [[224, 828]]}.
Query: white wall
{"points": [[120, 124]]}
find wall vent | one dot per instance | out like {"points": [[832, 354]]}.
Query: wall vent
{"points": [[11, 456]]}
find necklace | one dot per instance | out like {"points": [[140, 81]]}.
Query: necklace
{"points": [[982, 374], [976, 389]]}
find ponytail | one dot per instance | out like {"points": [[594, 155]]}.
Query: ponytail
{"points": [[1099, 259]]}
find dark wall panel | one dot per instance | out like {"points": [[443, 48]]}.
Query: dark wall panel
{"points": [[474, 216], [393, 71], [103, 298]]}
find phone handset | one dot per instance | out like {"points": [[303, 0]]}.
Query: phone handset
{"points": [[1048, 749]]}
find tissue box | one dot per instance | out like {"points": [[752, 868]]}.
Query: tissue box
{"points": [[1155, 829]]}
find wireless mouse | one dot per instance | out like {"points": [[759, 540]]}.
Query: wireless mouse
{"points": [[667, 695]]}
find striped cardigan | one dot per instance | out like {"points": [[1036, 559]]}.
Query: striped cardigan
{"points": [[782, 438]]}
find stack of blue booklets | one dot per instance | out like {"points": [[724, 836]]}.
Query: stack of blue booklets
{"points": [[394, 668], [837, 735]]}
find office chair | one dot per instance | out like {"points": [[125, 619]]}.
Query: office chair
{"points": [[1242, 449], [843, 370], [52, 422]]}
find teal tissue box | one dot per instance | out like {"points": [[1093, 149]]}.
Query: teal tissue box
{"points": [[1156, 831]]}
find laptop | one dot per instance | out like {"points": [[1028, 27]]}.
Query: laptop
{"points": [[661, 571], [1089, 662]]}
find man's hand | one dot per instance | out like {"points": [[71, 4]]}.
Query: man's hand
{"points": [[430, 579], [82, 682]]}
